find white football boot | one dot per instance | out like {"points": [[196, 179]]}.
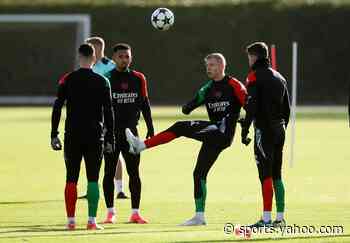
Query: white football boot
{"points": [[136, 145]]}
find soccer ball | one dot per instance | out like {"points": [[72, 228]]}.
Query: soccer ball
{"points": [[162, 19]]}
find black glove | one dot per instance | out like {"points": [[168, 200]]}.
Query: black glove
{"points": [[244, 136], [109, 145], [56, 143], [108, 148], [186, 109], [150, 133], [244, 133], [241, 121]]}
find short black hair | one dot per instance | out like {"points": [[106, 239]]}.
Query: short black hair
{"points": [[121, 46], [259, 49], [86, 50]]}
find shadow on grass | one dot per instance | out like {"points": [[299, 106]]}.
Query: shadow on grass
{"points": [[38, 231], [30, 202], [29, 228], [78, 232], [296, 238]]}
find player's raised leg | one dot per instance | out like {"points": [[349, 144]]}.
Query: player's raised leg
{"points": [[136, 145], [197, 130]]}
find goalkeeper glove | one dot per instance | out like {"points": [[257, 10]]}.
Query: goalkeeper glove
{"points": [[56, 144]]}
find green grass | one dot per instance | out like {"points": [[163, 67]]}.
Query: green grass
{"points": [[33, 178]]}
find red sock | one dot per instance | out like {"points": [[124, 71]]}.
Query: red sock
{"points": [[160, 138], [267, 191], [70, 196]]}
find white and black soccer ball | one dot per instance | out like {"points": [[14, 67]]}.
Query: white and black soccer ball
{"points": [[162, 18]]}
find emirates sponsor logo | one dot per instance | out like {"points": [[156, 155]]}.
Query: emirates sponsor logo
{"points": [[219, 106], [125, 98]]}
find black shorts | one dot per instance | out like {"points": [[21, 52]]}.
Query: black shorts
{"points": [[268, 149], [78, 147]]}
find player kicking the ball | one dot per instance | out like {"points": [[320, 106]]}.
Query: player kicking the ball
{"points": [[223, 97]]}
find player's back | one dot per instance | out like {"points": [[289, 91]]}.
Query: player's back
{"points": [[272, 95], [85, 93]]}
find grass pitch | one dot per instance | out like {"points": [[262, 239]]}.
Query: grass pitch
{"points": [[33, 178]]}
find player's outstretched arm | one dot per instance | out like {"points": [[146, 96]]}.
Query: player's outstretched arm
{"points": [[190, 106]]}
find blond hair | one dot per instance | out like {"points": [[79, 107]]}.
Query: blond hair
{"points": [[217, 56], [96, 40]]}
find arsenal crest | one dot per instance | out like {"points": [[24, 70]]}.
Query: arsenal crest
{"points": [[217, 93], [124, 86]]}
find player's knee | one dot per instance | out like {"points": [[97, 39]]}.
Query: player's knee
{"points": [[134, 175], [72, 179], [180, 123], [92, 178], [267, 174], [197, 184], [264, 174], [177, 127], [276, 173], [276, 176], [198, 175], [109, 170], [136, 183], [108, 175], [134, 178]]}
